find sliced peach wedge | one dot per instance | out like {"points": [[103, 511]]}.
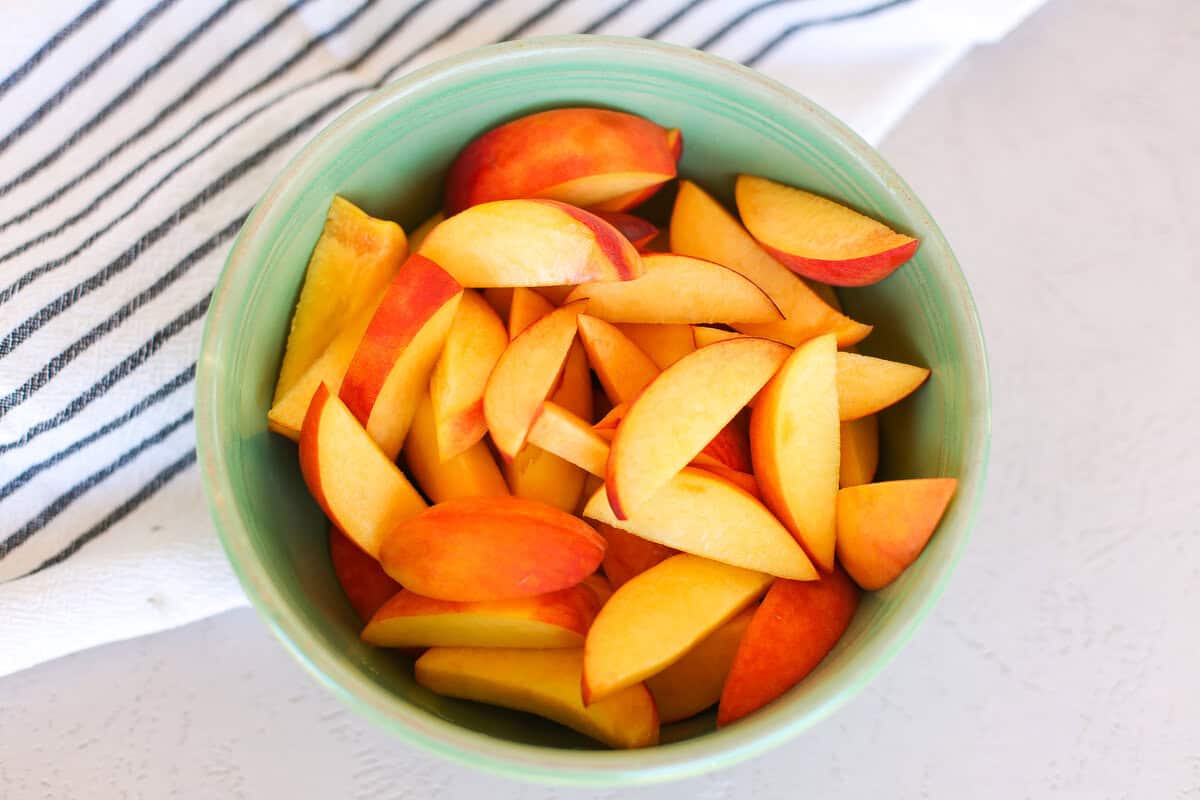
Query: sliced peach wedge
{"points": [[569, 437], [701, 513], [680, 412], [883, 527], [363, 580], [525, 375], [542, 682], [588, 157], [470, 473], [530, 243], [817, 237], [867, 384], [389, 372], [353, 260], [357, 486], [794, 628], [702, 228], [860, 451], [678, 289], [473, 345], [694, 682], [553, 620], [665, 344], [657, 616], [794, 438], [623, 369], [490, 548]]}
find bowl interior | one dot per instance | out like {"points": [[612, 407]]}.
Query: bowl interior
{"points": [[388, 155]]}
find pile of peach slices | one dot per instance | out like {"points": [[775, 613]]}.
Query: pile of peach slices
{"points": [[691, 528]]}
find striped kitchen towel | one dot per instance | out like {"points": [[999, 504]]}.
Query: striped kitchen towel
{"points": [[135, 136]]}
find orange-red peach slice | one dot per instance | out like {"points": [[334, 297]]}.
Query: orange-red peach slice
{"points": [[796, 625], [700, 227], [860, 451], [678, 289], [694, 682], [353, 260], [542, 682], [883, 527], [680, 412], [357, 486], [473, 345], [546, 621], [584, 156], [817, 237], [470, 473], [530, 243], [623, 369], [657, 616], [701, 513], [525, 375], [490, 548], [364, 582], [794, 437], [665, 344], [390, 369]]}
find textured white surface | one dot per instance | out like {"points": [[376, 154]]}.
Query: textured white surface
{"points": [[1063, 660]]}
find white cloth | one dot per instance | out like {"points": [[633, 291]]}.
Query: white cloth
{"points": [[134, 137]]}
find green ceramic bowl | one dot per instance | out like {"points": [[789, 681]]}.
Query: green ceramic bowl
{"points": [[388, 155]]}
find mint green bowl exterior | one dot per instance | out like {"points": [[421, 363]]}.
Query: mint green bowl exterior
{"points": [[388, 155]]}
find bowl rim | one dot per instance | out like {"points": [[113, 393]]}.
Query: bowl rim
{"points": [[415, 725]]}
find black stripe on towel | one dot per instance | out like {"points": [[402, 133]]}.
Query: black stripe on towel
{"points": [[81, 77], [64, 500], [797, 27], [147, 491], [161, 393], [18, 74]]}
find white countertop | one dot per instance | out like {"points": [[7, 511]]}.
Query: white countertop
{"points": [[1064, 166]]}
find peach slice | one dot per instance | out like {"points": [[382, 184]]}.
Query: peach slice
{"points": [[542, 682], [694, 682], [390, 369], [473, 345], [665, 344], [471, 473], [678, 289], [627, 555], [357, 486], [680, 412], [569, 437], [701, 513], [491, 548], [731, 446], [883, 527], [353, 260], [657, 616], [796, 626], [867, 384], [557, 295], [743, 480], [583, 156], [638, 231], [600, 588], [860, 451], [526, 307], [525, 375], [540, 475], [701, 228], [364, 582], [794, 436], [530, 243], [818, 238], [623, 369], [287, 414], [557, 619], [417, 238]]}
